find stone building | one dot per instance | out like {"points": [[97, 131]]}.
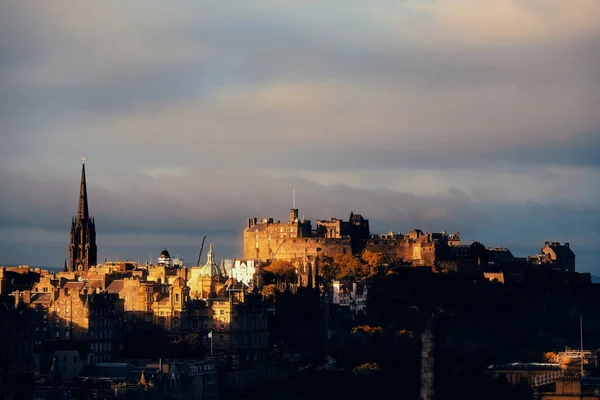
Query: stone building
{"points": [[80, 313], [82, 247], [238, 327], [561, 256], [208, 280], [295, 239]]}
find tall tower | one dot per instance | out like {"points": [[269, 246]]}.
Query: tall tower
{"points": [[82, 249]]}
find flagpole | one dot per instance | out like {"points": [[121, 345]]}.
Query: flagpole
{"points": [[211, 343]]}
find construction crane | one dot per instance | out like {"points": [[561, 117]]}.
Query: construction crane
{"points": [[201, 247], [277, 249]]}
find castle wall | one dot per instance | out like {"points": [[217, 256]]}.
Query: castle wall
{"points": [[295, 239], [264, 247]]}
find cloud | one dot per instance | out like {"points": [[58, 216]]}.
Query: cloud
{"points": [[454, 115]]}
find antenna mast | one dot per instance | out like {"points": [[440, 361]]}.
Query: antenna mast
{"points": [[294, 197]]}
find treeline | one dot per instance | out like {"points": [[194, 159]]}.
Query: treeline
{"points": [[475, 323]]}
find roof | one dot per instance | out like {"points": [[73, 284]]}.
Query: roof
{"points": [[561, 250], [74, 285], [179, 282], [165, 253], [356, 218], [115, 286], [95, 283], [210, 268], [526, 366], [41, 298]]}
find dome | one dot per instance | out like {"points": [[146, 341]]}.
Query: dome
{"points": [[210, 268], [165, 253]]}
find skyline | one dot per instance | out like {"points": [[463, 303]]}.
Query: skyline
{"points": [[456, 116]]}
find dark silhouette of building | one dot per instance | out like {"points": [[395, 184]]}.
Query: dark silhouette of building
{"points": [[82, 249]]}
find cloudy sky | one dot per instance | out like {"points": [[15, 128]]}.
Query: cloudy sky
{"points": [[458, 115]]}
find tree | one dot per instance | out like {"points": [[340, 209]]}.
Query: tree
{"points": [[348, 266], [193, 342], [373, 262], [366, 369], [326, 268], [269, 292], [284, 271], [370, 330]]}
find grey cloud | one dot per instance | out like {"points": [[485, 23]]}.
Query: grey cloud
{"points": [[146, 217], [215, 96]]}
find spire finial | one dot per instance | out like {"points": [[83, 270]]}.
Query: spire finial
{"points": [[82, 210], [83, 160]]}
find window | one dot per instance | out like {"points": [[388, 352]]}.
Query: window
{"points": [[177, 297]]}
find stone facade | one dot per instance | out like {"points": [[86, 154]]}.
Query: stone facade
{"points": [[295, 239]]}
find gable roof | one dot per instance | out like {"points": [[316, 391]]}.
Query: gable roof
{"points": [[115, 286]]}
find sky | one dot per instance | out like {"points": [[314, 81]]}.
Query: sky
{"points": [[454, 115]]}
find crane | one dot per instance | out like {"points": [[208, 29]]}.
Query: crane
{"points": [[277, 249], [201, 247]]}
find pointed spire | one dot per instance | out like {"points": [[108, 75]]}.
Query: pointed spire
{"points": [[210, 256], [65, 269], [54, 377], [142, 379], [82, 210]]}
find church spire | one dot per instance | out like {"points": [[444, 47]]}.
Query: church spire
{"points": [[82, 210], [82, 247]]}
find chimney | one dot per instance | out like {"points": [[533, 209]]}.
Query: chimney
{"points": [[567, 245]]}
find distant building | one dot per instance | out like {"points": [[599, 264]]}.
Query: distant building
{"points": [[295, 239], [82, 248], [350, 295]]}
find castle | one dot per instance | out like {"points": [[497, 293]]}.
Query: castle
{"points": [[296, 241]]}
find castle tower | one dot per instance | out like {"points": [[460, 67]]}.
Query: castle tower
{"points": [[82, 248], [293, 210]]}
